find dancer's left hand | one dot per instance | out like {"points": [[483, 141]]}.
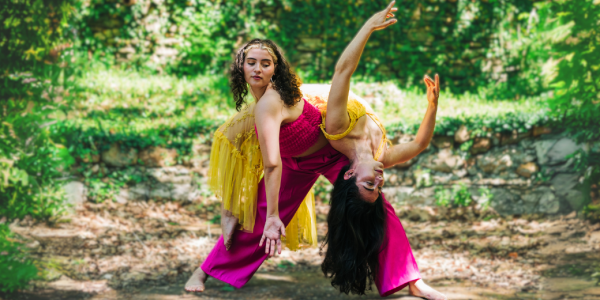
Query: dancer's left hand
{"points": [[433, 89], [272, 233]]}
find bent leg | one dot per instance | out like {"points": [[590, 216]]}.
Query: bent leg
{"points": [[397, 265], [237, 265]]}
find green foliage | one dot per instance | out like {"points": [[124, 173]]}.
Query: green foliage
{"points": [[576, 56], [322, 189], [30, 54], [459, 196], [15, 269]]}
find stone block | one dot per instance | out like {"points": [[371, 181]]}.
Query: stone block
{"points": [[158, 157], [117, 157], [541, 200], [175, 175], [75, 192], [560, 150], [481, 145], [539, 130], [443, 142], [444, 161], [514, 138], [567, 187], [527, 169], [494, 163], [506, 203], [462, 134]]}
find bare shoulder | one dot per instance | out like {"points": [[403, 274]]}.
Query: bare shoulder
{"points": [[269, 101]]}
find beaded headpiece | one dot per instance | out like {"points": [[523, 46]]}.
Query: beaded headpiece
{"points": [[263, 47]]}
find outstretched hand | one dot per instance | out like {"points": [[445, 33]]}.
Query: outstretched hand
{"points": [[433, 89], [272, 233], [379, 20]]}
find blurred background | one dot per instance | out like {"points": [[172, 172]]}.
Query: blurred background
{"points": [[107, 109]]}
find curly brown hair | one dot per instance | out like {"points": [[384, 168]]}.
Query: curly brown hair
{"points": [[285, 81]]}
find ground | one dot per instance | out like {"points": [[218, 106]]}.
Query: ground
{"points": [[146, 250]]}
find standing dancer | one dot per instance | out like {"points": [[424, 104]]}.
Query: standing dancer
{"points": [[287, 140], [366, 241]]}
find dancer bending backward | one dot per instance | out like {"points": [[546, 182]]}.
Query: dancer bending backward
{"points": [[366, 241]]}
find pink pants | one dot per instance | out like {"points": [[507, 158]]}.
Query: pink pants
{"points": [[236, 266]]}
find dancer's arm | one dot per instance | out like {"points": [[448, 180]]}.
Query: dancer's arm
{"points": [[337, 119], [268, 118], [404, 152]]}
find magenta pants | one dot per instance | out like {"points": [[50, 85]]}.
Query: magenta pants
{"points": [[236, 266]]}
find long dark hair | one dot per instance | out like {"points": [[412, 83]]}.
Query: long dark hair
{"points": [[285, 81], [356, 232]]}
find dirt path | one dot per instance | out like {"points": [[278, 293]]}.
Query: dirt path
{"points": [[301, 285], [147, 250]]}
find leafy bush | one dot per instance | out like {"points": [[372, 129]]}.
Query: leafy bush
{"points": [[15, 269], [459, 196], [31, 73]]}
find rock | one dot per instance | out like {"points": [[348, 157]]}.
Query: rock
{"points": [[181, 192], [462, 134], [506, 203], [392, 180], [566, 186], [176, 175], [527, 169], [562, 148], [541, 149], [158, 157], [460, 173], [133, 277], [117, 157], [406, 164], [75, 192], [140, 191], [443, 142], [595, 147], [514, 138], [481, 145], [494, 162], [526, 143], [539, 130], [91, 158], [541, 200], [123, 196], [444, 161], [171, 191]]}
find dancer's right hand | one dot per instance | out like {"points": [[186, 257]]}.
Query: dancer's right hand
{"points": [[272, 233], [379, 20]]}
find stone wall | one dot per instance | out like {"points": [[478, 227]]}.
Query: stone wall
{"points": [[526, 175]]}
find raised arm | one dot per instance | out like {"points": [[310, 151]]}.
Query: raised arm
{"points": [[404, 152], [268, 118], [337, 119]]}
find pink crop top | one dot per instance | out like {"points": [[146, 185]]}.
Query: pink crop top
{"points": [[298, 136]]}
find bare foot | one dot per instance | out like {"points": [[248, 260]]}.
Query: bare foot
{"points": [[196, 282], [418, 288], [228, 224]]}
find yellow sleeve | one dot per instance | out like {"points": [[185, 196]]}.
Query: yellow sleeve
{"points": [[355, 111], [234, 173]]}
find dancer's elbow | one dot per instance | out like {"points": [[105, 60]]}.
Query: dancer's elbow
{"points": [[421, 145], [270, 167]]}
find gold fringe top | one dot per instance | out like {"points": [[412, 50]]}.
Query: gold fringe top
{"points": [[355, 111], [235, 170]]}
